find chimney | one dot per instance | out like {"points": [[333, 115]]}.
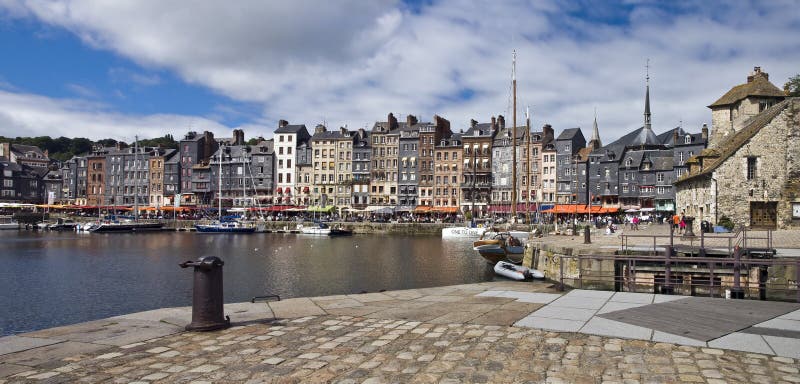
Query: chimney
{"points": [[320, 129], [473, 123], [411, 120], [494, 123], [343, 131], [282, 123], [118, 145], [547, 134], [441, 122], [704, 132], [757, 72], [501, 121], [675, 136], [46, 153], [392, 122], [361, 133]]}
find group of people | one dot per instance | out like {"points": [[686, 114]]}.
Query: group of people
{"points": [[679, 222]]}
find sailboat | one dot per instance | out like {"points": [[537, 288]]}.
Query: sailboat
{"points": [[130, 225], [505, 246], [219, 225]]}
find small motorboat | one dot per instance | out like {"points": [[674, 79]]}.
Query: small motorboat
{"points": [[6, 222], [465, 232], [516, 272], [501, 247], [63, 225], [318, 228], [340, 231], [225, 227]]}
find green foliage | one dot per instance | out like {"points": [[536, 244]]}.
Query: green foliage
{"points": [[726, 222], [792, 87], [164, 142], [64, 148]]}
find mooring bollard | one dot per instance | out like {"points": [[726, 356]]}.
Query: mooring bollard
{"points": [[587, 237], [207, 299]]}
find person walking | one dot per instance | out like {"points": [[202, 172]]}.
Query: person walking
{"points": [[681, 225], [676, 221]]}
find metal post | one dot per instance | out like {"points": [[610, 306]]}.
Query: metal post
{"points": [[587, 237], [797, 279], [702, 252], [580, 271], [737, 292], [561, 272], [667, 288], [711, 279]]}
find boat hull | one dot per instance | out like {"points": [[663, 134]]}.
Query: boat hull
{"points": [[516, 272], [340, 232], [218, 229], [9, 226], [132, 227], [462, 232]]}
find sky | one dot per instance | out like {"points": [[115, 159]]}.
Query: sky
{"points": [[118, 69]]}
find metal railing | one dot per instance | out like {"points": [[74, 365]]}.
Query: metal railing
{"points": [[686, 275]]}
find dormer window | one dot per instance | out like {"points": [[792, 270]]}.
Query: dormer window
{"points": [[628, 162], [688, 139]]}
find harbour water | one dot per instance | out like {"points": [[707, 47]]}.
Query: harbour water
{"points": [[50, 279]]}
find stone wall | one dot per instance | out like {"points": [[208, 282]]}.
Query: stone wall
{"points": [[696, 199]]}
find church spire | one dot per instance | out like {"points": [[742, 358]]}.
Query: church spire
{"points": [[595, 142], [647, 125]]}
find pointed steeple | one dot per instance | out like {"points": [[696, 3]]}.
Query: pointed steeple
{"points": [[646, 137], [595, 142]]}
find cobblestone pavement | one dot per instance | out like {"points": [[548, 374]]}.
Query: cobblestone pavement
{"points": [[436, 335]]}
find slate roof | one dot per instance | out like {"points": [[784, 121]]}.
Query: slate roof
{"points": [[23, 149], [291, 128], [645, 137], [479, 130], [568, 134], [760, 86], [713, 158], [506, 132]]}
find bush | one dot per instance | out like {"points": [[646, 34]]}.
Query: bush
{"points": [[726, 222]]}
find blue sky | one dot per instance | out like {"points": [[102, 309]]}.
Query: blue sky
{"points": [[115, 69]]}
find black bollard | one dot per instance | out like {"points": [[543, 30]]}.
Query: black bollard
{"points": [[587, 236], [207, 299]]}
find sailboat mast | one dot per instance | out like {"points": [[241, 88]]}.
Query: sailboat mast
{"points": [[136, 178], [219, 194], [529, 183], [514, 140]]}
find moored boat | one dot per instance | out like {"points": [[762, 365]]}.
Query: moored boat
{"points": [[315, 229], [516, 272], [132, 226], [225, 227], [463, 232], [63, 225], [340, 231], [8, 223], [500, 247]]}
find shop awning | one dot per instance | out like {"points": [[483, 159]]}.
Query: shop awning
{"points": [[279, 191], [321, 209], [287, 190], [423, 209], [579, 209], [506, 208], [446, 209]]}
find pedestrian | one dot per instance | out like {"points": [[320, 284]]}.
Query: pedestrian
{"points": [[682, 225], [636, 223], [676, 220]]}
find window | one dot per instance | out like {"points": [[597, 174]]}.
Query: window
{"points": [[660, 177], [751, 168], [688, 139]]}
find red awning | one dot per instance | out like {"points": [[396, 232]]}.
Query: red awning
{"points": [[287, 190], [506, 208], [279, 191], [305, 189]]}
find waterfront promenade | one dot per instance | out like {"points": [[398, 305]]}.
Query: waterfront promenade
{"points": [[494, 332]]}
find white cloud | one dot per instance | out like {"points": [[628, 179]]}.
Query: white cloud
{"points": [[352, 62], [33, 115]]}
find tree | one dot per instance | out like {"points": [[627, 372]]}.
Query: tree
{"points": [[792, 87]]}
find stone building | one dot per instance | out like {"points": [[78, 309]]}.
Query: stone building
{"points": [[447, 174], [287, 138], [429, 137], [548, 167], [305, 176], [96, 175], [383, 174], [19, 183], [362, 151], [503, 166], [332, 160], [27, 155], [751, 170], [567, 144], [172, 180], [195, 150], [407, 180], [476, 189], [157, 175], [262, 171]]}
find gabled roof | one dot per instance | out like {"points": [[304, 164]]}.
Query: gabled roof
{"points": [[645, 138], [568, 133], [291, 128], [713, 158], [479, 130], [759, 86]]}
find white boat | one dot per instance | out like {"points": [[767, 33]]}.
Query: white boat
{"points": [[522, 235], [463, 232], [315, 229], [8, 223], [516, 272]]}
